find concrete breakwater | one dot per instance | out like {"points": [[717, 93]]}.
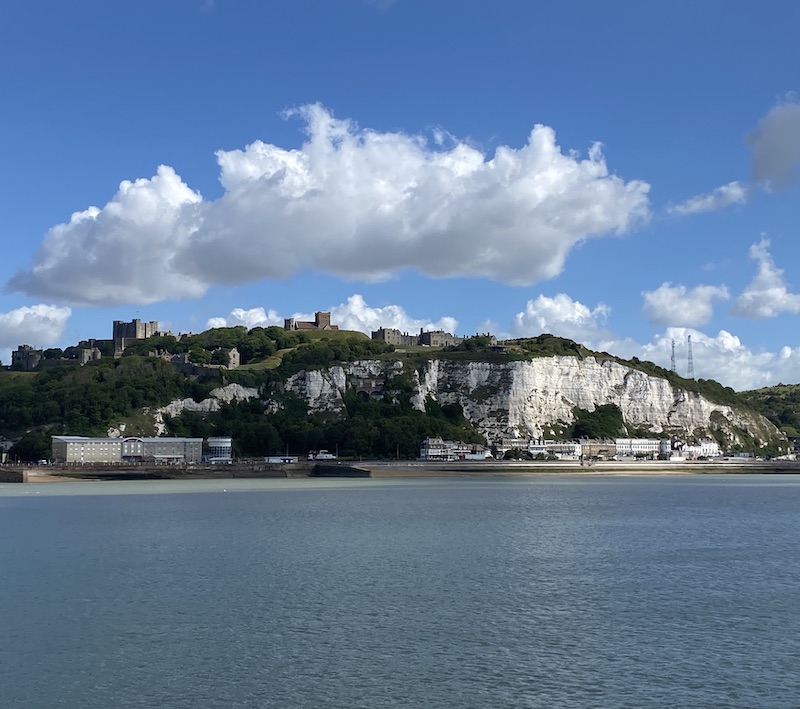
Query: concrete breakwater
{"points": [[13, 475]]}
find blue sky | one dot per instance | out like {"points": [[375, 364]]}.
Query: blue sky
{"points": [[621, 173]]}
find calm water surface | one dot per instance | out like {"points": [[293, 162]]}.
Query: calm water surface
{"points": [[526, 592]]}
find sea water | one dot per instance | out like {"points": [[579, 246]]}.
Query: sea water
{"points": [[441, 593]]}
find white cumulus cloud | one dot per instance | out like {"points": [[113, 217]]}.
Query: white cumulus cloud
{"points": [[719, 198], [250, 318], [357, 203], [678, 305], [123, 253], [564, 317], [354, 314], [36, 325], [723, 357], [776, 144], [767, 295]]}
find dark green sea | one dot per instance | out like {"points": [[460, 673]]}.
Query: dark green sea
{"points": [[619, 592]]}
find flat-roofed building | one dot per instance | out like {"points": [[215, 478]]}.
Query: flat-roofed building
{"points": [[133, 449], [220, 449], [436, 449], [638, 447], [563, 450], [598, 449], [80, 449]]}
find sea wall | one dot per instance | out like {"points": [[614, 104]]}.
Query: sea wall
{"points": [[12, 475]]}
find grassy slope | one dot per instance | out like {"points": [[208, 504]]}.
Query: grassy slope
{"points": [[780, 404]]}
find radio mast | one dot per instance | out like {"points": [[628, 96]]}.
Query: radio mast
{"points": [[672, 367], [690, 359]]}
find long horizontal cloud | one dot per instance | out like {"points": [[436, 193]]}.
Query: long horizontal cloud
{"points": [[719, 198], [352, 202]]}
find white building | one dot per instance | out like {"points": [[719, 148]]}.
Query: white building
{"points": [[508, 443], [537, 447], [638, 447], [436, 449], [220, 449], [705, 448], [563, 450]]}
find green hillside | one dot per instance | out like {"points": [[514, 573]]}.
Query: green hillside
{"points": [[62, 397], [780, 404]]}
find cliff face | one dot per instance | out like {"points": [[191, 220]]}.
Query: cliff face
{"points": [[528, 397], [226, 394]]}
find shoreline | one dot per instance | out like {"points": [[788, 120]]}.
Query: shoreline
{"points": [[394, 469], [727, 467]]}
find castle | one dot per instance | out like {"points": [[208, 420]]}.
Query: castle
{"points": [[322, 321], [429, 338]]}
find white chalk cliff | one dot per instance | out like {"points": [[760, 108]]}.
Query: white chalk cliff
{"points": [[527, 398]]}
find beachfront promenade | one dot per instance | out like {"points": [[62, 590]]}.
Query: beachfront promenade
{"points": [[395, 468]]}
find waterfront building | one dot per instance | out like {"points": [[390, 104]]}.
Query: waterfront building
{"points": [[598, 449], [563, 450], [705, 448], [133, 449], [439, 450], [638, 447], [537, 447], [219, 449], [507, 443]]}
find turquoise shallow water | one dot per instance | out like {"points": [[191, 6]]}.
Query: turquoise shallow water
{"points": [[534, 592]]}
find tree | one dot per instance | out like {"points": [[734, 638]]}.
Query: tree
{"points": [[33, 446], [198, 355], [220, 357], [604, 422]]}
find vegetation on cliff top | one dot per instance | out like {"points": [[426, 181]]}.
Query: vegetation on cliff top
{"points": [[780, 404]]}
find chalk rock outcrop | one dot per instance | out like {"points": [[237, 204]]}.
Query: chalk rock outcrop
{"points": [[527, 398], [226, 394]]}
